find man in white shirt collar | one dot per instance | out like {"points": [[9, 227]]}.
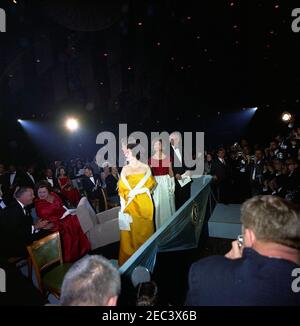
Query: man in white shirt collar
{"points": [[30, 176], [12, 175], [17, 229], [175, 140], [88, 172], [29, 173], [221, 155], [25, 196], [2, 204], [182, 193], [49, 177]]}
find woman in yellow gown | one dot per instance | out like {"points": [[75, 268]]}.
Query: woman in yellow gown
{"points": [[135, 185]]}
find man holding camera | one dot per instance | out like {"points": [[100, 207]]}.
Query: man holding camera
{"points": [[261, 270]]}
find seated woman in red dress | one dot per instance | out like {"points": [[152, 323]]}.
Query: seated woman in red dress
{"points": [[48, 205], [67, 190]]}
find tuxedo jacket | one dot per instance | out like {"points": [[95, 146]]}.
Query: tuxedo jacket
{"points": [[292, 181], [8, 189], [55, 182], [89, 187], [177, 166], [3, 180], [111, 185], [259, 169], [3, 201], [26, 181], [222, 171], [15, 231], [17, 180]]}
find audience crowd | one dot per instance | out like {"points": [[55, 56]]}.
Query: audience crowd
{"points": [[265, 178]]}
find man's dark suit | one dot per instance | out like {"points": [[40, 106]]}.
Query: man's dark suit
{"points": [[26, 181], [253, 280], [8, 188], [93, 190], [222, 184], [256, 177], [182, 194], [291, 186], [54, 181], [3, 203], [16, 231]]}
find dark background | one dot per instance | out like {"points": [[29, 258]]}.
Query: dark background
{"points": [[156, 65]]}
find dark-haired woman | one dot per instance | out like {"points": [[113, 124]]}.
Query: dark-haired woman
{"points": [[70, 193], [48, 205]]}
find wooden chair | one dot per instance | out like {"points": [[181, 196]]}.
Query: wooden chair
{"points": [[105, 198], [46, 253]]}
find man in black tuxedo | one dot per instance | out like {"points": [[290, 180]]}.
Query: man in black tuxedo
{"points": [[182, 194], [52, 180], [2, 174], [12, 180], [2, 202], [221, 172], [291, 185], [28, 179], [256, 168], [16, 227], [91, 184]]}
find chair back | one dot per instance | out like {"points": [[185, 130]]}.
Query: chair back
{"points": [[86, 215], [44, 253]]}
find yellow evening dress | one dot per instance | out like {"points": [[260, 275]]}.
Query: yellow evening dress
{"points": [[140, 208]]}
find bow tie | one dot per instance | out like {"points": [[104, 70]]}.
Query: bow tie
{"points": [[49, 178]]}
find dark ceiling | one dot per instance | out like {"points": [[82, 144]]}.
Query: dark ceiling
{"points": [[154, 64]]}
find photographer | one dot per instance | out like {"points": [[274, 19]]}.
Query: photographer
{"points": [[258, 270], [241, 175]]}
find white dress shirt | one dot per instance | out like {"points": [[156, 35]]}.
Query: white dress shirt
{"points": [[31, 177], [221, 160], [12, 178], [2, 204], [254, 171], [23, 207], [50, 180], [177, 152], [33, 230], [93, 180]]}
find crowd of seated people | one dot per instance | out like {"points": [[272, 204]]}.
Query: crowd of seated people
{"points": [[44, 197], [242, 170], [239, 172]]}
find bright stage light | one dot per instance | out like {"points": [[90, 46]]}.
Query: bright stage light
{"points": [[72, 124], [19, 120], [286, 117]]}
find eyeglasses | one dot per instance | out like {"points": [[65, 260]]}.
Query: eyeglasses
{"points": [[240, 240]]}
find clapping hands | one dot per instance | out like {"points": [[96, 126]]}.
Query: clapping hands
{"points": [[43, 224]]}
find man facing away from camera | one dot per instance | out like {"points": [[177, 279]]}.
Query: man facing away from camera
{"points": [[91, 281], [261, 271]]}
